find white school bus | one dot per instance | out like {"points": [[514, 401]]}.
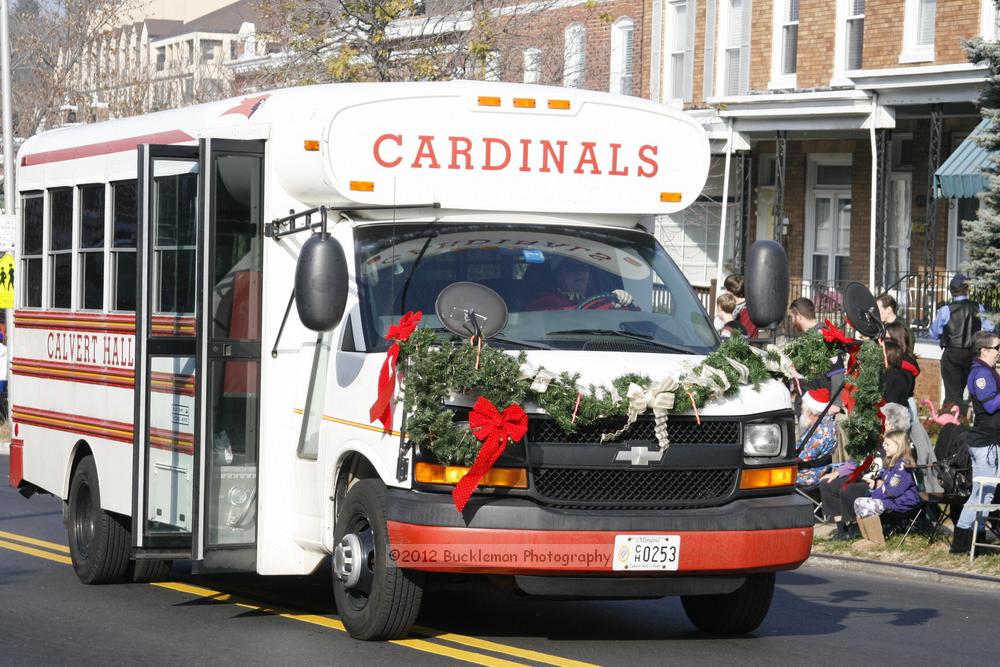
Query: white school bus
{"points": [[163, 388]]}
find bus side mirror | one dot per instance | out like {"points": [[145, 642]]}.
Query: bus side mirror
{"points": [[765, 283], [321, 282]]}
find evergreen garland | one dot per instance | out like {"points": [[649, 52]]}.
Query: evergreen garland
{"points": [[811, 354], [434, 370], [863, 425]]}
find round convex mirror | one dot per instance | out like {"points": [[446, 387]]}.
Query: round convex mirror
{"points": [[470, 309]]}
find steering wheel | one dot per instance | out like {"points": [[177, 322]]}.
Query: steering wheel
{"points": [[606, 301]]}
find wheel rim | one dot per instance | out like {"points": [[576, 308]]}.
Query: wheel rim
{"points": [[84, 521], [354, 561]]}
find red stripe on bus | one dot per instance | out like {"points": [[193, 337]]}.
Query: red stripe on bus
{"points": [[61, 421], [105, 147]]}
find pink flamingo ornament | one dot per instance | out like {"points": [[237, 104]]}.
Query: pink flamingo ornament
{"points": [[944, 417]]}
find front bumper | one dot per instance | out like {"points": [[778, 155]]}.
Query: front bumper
{"points": [[516, 536]]}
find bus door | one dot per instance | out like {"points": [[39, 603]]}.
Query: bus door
{"points": [[198, 353]]}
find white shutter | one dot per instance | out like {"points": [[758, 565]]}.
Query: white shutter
{"points": [[692, 9], [709, 49], [655, 57], [747, 18]]}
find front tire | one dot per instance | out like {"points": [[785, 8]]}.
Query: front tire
{"points": [[375, 599], [98, 540], [736, 613]]}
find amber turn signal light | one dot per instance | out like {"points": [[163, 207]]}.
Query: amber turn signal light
{"points": [[766, 478], [432, 473]]}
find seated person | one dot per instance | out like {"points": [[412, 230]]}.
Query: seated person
{"points": [[726, 307], [893, 489], [571, 288], [823, 440]]}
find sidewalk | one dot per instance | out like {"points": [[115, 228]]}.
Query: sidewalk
{"points": [[914, 559]]}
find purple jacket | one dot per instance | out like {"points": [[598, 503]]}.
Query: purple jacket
{"points": [[899, 490]]}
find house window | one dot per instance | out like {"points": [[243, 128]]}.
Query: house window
{"points": [[918, 31], [61, 247], [902, 152], [989, 16], [828, 220], [532, 65], [574, 61], [680, 24], [91, 252], [960, 214], [789, 36], [123, 263], [735, 54], [31, 249], [622, 36], [211, 49], [855, 33], [161, 58]]}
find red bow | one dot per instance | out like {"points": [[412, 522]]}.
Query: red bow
{"points": [[493, 428], [831, 334], [381, 409]]}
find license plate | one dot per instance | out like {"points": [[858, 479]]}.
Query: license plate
{"points": [[646, 552]]}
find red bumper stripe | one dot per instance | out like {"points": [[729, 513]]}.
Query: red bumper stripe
{"points": [[446, 549]]}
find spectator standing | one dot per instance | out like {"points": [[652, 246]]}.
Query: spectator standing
{"points": [[734, 285], [887, 308], [725, 305], [802, 314], [897, 382], [984, 437], [901, 333], [953, 327]]}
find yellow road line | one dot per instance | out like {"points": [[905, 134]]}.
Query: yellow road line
{"points": [[31, 551], [487, 645], [38, 543], [335, 624], [332, 623]]}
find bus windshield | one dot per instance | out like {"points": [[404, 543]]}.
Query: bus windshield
{"points": [[568, 288]]}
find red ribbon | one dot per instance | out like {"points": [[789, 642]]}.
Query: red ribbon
{"points": [[494, 429], [381, 409], [831, 334]]}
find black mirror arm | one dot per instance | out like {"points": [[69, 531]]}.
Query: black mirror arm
{"points": [[281, 329]]}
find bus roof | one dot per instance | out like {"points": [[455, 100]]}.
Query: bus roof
{"points": [[466, 145]]}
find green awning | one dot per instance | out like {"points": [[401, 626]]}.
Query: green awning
{"points": [[962, 175]]}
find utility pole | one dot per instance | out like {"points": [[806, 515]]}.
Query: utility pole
{"points": [[9, 190]]}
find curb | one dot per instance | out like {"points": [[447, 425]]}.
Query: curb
{"points": [[896, 570]]}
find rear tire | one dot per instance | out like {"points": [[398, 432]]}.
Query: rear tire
{"points": [[736, 613], [98, 540], [378, 600]]}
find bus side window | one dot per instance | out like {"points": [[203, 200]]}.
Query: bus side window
{"points": [[91, 251], [31, 250], [123, 221], [61, 247]]}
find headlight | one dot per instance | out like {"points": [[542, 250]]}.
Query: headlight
{"points": [[762, 440]]}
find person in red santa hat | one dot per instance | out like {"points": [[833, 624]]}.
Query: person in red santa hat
{"points": [[814, 454]]}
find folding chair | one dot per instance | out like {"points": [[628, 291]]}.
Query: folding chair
{"points": [[979, 506], [811, 492]]}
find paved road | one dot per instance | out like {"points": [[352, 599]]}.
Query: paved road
{"points": [[819, 617]]}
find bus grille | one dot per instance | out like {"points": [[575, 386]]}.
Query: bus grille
{"points": [[582, 488], [679, 431]]}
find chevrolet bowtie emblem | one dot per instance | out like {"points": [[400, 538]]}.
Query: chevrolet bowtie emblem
{"points": [[639, 456]]}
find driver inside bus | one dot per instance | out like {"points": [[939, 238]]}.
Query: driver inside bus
{"points": [[570, 286]]}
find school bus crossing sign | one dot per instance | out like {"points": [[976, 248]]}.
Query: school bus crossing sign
{"points": [[7, 280]]}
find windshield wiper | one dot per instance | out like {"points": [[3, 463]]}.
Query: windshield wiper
{"points": [[522, 343], [649, 340], [499, 339]]}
